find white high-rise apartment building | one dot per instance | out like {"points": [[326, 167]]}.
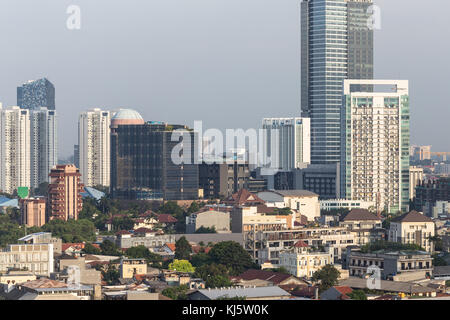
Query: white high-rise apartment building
{"points": [[375, 143], [287, 142], [94, 147], [14, 149], [43, 144]]}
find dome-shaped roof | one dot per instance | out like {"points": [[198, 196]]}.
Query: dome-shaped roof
{"points": [[126, 116]]}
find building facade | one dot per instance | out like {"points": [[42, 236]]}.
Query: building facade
{"points": [[43, 144], [415, 179], [429, 193], [33, 211], [375, 144], [14, 149], [336, 44], [223, 179], [64, 193], [142, 165], [287, 142], [35, 94], [218, 220], [35, 258], [305, 202], [94, 147], [412, 228], [301, 261]]}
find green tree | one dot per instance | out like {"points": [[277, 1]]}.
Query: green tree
{"points": [[357, 295], [218, 281], [111, 276], [109, 248], [210, 270], [153, 259], [194, 207], [181, 266], [183, 249], [72, 230], [90, 249], [203, 229], [327, 277], [232, 255], [438, 261], [176, 293], [200, 259]]}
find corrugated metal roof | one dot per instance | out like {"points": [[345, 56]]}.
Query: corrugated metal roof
{"points": [[272, 291]]}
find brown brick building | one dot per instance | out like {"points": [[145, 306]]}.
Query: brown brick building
{"points": [[32, 211], [64, 192]]}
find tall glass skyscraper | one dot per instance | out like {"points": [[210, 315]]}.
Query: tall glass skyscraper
{"points": [[336, 44], [35, 94]]}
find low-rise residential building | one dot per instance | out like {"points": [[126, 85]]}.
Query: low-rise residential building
{"points": [[256, 218], [412, 228], [336, 204], [43, 237], [303, 201], [46, 289], [34, 258], [88, 276], [400, 287], [152, 241], [364, 225], [336, 293], [218, 220], [266, 278], [266, 246], [16, 277], [393, 265], [302, 261], [131, 267]]}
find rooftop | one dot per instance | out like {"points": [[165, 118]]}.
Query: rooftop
{"points": [[273, 291], [360, 215], [412, 216]]}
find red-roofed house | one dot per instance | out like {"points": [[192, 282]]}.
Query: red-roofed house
{"points": [[169, 248], [276, 278], [166, 219], [72, 248], [336, 293]]}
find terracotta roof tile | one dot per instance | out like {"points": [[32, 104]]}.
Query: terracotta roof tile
{"points": [[412, 216], [360, 214], [166, 218]]}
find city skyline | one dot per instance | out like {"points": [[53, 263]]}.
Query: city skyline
{"points": [[222, 68]]}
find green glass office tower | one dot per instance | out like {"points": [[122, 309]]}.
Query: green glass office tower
{"points": [[336, 44]]}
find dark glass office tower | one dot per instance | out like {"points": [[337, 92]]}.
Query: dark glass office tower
{"points": [[36, 94], [142, 166], [336, 44]]}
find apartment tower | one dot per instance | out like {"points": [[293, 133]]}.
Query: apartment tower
{"points": [[94, 147], [375, 144]]}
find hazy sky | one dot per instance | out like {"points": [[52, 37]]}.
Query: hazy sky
{"points": [[227, 62]]}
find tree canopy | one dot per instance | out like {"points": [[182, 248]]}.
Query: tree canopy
{"points": [[327, 277], [181, 266], [182, 249], [232, 255]]}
